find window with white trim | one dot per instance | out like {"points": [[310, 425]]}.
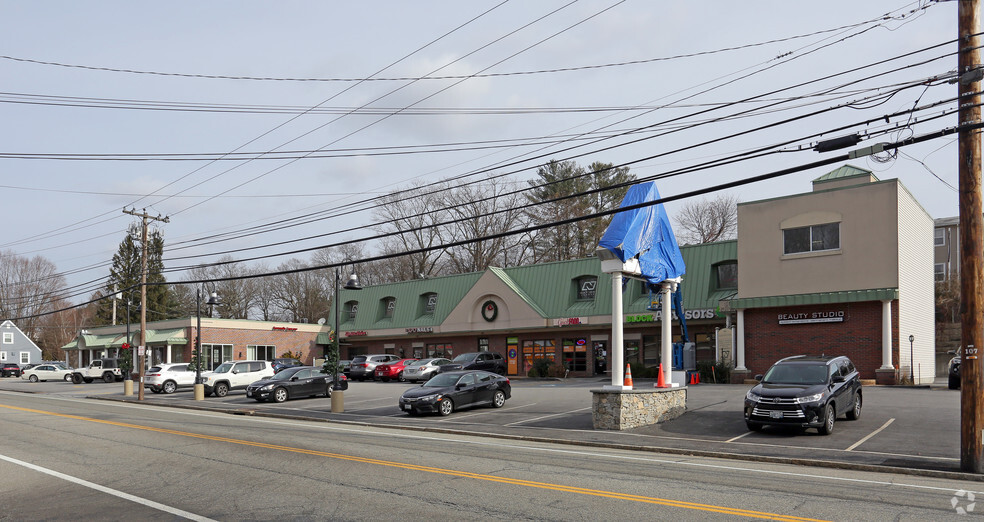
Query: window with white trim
{"points": [[8, 338], [3, 356], [939, 272], [261, 352], [25, 357], [814, 238], [939, 236]]}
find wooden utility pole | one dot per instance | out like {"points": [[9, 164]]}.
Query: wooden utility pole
{"points": [[971, 245], [141, 349]]}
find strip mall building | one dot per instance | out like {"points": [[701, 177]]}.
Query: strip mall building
{"points": [[846, 269]]}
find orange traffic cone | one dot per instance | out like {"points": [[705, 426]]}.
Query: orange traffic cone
{"points": [[696, 378], [627, 382], [659, 378]]}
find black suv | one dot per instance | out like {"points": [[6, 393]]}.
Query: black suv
{"points": [[488, 361], [10, 370], [803, 391]]}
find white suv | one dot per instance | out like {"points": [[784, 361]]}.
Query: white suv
{"points": [[167, 378], [235, 375]]}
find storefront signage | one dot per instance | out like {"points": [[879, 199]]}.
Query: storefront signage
{"points": [[284, 329], [570, 321], [700, 313], [357, 333], [812, 317], [421, 329]]}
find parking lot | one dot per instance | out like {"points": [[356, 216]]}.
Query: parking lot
{"points": [[899, 426]]}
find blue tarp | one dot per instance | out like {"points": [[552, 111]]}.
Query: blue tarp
{"points": [[645, 233]]}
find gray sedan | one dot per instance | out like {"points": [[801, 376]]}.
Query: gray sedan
{"points": [[423, 369]]}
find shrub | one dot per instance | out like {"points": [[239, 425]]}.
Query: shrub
{"points": [[714, 372]]}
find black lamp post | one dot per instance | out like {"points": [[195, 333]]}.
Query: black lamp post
{"points": [[213, 300], [912, 363], [351, 284]]}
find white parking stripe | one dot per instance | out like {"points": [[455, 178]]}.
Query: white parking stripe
{"points": [[110, 491], [732, 439], [546, 417], [872, 434]]}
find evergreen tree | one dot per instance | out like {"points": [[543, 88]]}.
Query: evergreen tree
{"points": [[124, 280]]}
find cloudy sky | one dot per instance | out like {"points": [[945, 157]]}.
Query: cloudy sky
{"points": [[111, 105]]}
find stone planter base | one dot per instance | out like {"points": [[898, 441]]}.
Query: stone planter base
{"points": [[627, 409], [886, 376]]}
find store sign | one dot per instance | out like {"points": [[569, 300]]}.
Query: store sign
{"points": [[700, 313], [357, 333], [421, 329], [284, 329], [812, 317], [570, 321]]}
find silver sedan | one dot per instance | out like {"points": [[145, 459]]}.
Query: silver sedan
{"points": [[423, 369]]}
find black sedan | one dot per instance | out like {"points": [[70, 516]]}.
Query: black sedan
{"points": [[290, 383], [446, 392]]}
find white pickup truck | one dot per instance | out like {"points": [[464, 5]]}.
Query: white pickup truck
{"points": [[106, 369]]}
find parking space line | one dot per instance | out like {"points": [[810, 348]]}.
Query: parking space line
{"points": [[460, 416], [546, 417], [732, 439], [872, 434]]}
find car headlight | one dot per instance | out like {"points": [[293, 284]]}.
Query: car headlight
{"points": [[752, 396], [266, 387], [431, 398], [809, 398]]}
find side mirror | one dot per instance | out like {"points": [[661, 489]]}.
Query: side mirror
{"points": [[758, 377]]}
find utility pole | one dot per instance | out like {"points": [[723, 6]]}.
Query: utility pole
{"points": [[971, 245], [141, 349]]}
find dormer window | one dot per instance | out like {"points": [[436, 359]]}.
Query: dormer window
{"points": [[351, 309], [389, 307], [726, 275], [586, 288], [430, 303]]}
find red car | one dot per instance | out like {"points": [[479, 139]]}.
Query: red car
{"points": [[393, 370]]}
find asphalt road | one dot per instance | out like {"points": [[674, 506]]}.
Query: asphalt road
{"points": [[68, 457], [912, 428]]}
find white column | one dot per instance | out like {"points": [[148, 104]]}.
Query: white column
{"points": [[666, 344], [617, 348], [740, 342], [887, 336]]}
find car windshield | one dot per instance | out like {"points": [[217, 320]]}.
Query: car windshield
{"points": [[796, 374], [223, 368], [466, 357], [418, 363], [442, 380]]}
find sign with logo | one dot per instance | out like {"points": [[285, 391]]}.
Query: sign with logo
{"points": [[690, 315], [420, 329], [812, 317], [357, 333], [570, 321], [284, 329]]}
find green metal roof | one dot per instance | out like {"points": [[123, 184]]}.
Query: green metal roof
{"points": [[548, 288], [852, 296], [843, 172]]}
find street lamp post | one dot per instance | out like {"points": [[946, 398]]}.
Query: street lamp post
{"points": [[213, 300], [912, 363], [337, 396]]}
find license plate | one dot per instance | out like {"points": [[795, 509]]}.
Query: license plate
{"points": [[775, 414], [403, 406]]}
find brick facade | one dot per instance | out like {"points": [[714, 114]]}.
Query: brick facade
{"points": [[859, 336], [303, 343]]}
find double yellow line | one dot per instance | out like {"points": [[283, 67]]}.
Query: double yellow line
{"points": [[428, 469]]}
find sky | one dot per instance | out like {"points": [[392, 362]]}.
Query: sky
{"points": [[369, 97]]}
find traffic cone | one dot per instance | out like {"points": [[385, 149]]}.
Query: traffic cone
{"points": [[659, 378], [627, 382], [696, 378], [691, 380]]}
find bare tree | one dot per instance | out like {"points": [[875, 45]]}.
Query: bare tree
{"points": [[29, 288], [415, 214], [481, 210], [302, 297], [707, 220], [239, 296]]}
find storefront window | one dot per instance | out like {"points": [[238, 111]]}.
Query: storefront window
{"points": [[260, 352], [538, 349], [440, 350], [216, 354], [576, 354], [650, 350], [631, 351]]}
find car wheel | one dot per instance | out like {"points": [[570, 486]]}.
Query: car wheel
{"points": [[279, 395], [953, 382], [401, 378], [752, 426], [221, 389], [445, 407], [109, 377], [33, 378], [498, 399], [169, 387], [68, 377], [76, 378], [829, 416], [856, 410], [328, 390]]}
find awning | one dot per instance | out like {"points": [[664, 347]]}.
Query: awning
{"points": [[851, 296], [324, 338]]}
